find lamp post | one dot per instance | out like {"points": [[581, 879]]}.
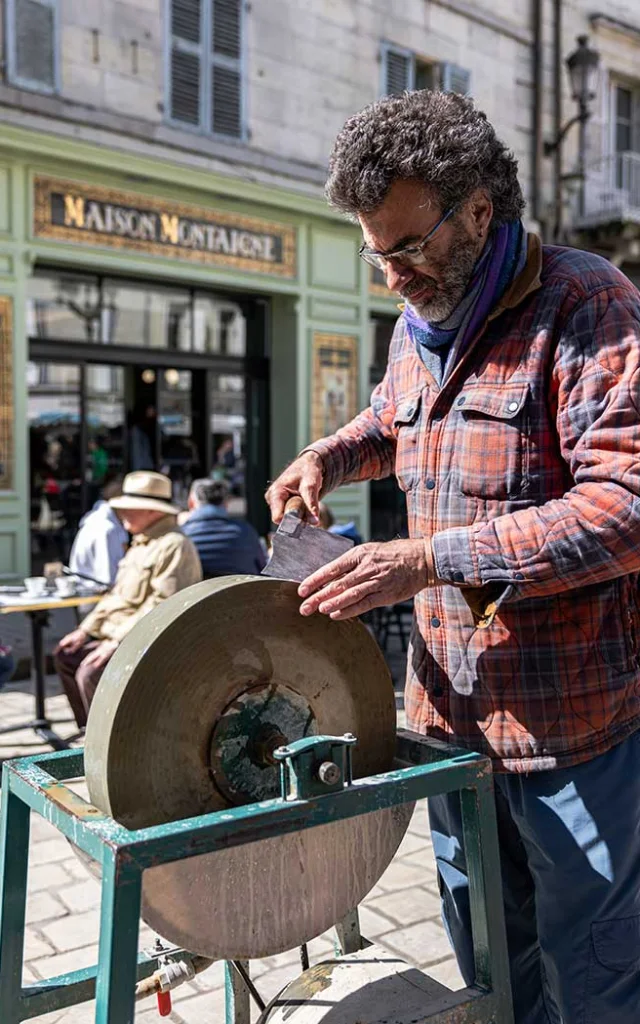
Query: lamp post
{"points": [[582, 66]]}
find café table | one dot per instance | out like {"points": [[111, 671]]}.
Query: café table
{"points": [[38, 609]]}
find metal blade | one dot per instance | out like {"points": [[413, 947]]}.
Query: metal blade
{"points": [[300, 549]]}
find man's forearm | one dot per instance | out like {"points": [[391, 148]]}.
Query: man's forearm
{"points": [[357, 452]]}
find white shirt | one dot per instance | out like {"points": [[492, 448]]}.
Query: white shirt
{"points": [[99, 544]]}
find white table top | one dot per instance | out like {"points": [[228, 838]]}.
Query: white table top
{"points": [[31, 603]]}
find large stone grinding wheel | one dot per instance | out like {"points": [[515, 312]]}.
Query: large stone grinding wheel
{"points": [[183, 723]]}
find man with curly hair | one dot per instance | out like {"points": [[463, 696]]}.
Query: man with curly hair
{"points": [[510, 415]]}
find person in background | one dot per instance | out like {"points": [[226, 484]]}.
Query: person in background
{"points": [[160, 562], [226, 546], [101, 541], [328, 522]]}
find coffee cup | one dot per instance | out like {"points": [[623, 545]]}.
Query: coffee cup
{"points": [[65, 587], [36, 586]]}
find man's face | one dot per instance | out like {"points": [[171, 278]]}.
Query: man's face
{"points": [[410, 211], [137, 520]]}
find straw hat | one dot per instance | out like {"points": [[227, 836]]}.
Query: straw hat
{"points": [[145, 489]]}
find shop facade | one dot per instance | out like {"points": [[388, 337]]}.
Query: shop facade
{"points": [[154, 316]]}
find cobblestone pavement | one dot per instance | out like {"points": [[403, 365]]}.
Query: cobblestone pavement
{"points": [[401, 912]]}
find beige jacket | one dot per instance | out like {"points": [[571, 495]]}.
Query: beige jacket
{"points": [[159, 563]]}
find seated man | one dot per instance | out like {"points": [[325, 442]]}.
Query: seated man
{"points": [[226, 546], [101, 540], [160, 562]]}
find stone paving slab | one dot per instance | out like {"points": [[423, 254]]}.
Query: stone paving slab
{"points": [[401, 912]]}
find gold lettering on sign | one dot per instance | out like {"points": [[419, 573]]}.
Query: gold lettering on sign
{"points": [[169, 228], [74, 211], [93, 215]]}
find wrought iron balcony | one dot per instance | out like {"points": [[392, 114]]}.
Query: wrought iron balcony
{"points": [[612, 191]]}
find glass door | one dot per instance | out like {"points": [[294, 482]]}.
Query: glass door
{"points": [[105, 442], [179, 456], [229, 437]]}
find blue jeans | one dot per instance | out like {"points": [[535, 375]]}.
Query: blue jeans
{"points": [[570, 858]]}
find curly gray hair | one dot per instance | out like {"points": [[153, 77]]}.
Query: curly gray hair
{"points": [[436, 137]]}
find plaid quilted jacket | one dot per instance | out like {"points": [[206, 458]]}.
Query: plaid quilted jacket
{"points": [[523, 468]]}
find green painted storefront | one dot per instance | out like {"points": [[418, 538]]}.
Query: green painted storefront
{"points": [[69, 207]]}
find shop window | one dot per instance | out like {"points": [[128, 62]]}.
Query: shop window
{"points": [[205, 42], [143, 317], [72, 307], [32, 50], [219, 327], [402, 69], [63, 307]]}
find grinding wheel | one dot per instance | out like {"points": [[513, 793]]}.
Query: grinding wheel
{"points": [[184, 721]]}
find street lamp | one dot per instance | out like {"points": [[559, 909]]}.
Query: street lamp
{"points": [[582, 66]]}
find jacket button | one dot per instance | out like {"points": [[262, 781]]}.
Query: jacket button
{"points": [[435, 622], [461, 400], [512, 406], [430, 485], [458, 577], [518, 576]]}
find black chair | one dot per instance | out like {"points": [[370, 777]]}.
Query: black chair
{"points": [[394, 620]]}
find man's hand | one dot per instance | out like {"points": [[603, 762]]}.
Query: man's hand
{"points": [[368, 576], [72, 642], [99, 657], [303, 477]]}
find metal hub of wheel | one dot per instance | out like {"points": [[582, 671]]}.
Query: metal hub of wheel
{"points": [[250, 728], [185, 721]]}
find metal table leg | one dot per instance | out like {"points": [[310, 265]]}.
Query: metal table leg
{"points": [[40, 724]]}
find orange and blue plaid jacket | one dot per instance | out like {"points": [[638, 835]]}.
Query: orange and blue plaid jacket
{"points": [[523, 467]]}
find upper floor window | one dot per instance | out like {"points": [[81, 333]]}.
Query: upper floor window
{"points": [[32, 50], [402, 69], [627, 118], [206, 65], [625, 122]]}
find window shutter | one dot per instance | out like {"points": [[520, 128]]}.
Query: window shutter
{"points": [[226, 28], [226, 68], [34, 39], [186, 61], [398, 71], [455, 79], [226, 101]]}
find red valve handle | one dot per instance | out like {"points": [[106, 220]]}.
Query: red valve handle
{"points": [[164, 1003]]}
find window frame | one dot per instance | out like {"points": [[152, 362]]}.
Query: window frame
{"points": [[632, 86], [401, 51], [13, 78], [207, 62], [442, 70]]}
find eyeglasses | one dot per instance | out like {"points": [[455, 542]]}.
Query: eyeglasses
{"points": [[411, 256]]}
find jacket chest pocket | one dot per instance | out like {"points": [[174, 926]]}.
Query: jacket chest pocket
{"points": [[489, 457], [134, 586], [407, 423]]}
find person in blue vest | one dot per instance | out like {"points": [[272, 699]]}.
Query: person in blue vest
{"points": [[226, 546]]}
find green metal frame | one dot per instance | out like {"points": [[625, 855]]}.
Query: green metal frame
{"points": [[423, 768]]}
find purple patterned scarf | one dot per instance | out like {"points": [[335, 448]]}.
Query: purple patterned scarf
{"points": [[502, 259]]}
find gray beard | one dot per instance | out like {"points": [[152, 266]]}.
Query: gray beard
{"points": [[440, 308], [456, 277]]}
